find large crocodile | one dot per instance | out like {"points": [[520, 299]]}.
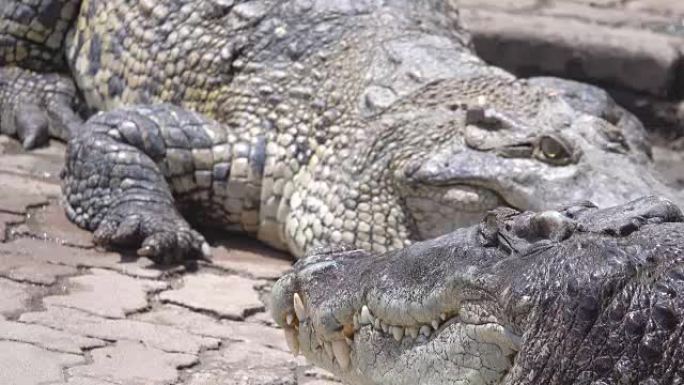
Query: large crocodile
{"points": [[301, 122], [570, 296]]}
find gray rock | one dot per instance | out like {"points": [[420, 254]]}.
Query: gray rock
{"points": [[227, 296], [241, 363], [19, 192], [133, 363], [93, 294], [161, 337], [24, 364], [49, 222], [32, 272], [29, 250], [47, 338], [204, 325], [638, 59], [7, 220], [14, 296]]}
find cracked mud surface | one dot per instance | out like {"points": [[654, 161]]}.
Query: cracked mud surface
{"points": [[73, 314]]}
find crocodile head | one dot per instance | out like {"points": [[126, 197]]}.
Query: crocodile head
{"points": [[575, 295], [526, 144]]}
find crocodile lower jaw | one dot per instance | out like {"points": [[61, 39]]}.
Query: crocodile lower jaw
{"points": [[344, 351]]}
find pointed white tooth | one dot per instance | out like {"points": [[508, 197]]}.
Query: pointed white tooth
{"points": [[299, 306], [206, 250], [328, 349], [443, 316], [291, 337], [341, 351], [435, 324], [356, 322], [289, 318], [366, 316], [425, 330], [376, 324], [384, 326], [412, 331], [397, 332]]}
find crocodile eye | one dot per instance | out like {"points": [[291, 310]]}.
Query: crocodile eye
{"points": [[553, 150]]}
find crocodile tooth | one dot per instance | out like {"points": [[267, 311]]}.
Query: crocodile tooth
{"points": [[366, 316], [384, 326], [289, 318], [328, 349], [299, 306], [376, 324], [425, 330], [355, 321], [292, 340], [443, 316], [341, 351], [206, 251], [435, 324], [412, 331], [397, 332]]}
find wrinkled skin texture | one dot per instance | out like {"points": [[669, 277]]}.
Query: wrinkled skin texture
{"points": [[573, 296], [310, 123]]}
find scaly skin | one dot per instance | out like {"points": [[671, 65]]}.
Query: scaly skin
{"points": [[366, 123], [32, 33], [573, 296], [35, 106]]}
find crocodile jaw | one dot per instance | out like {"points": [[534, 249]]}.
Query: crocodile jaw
{"points": [[476, 351]]}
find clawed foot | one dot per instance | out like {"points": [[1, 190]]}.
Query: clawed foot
{"points": [[35, 107], [165, 238]]}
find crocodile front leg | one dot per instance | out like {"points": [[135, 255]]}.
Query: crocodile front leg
{"points": [[131, 173]]}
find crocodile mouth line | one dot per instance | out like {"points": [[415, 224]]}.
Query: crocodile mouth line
{"points": [[338, 349]]}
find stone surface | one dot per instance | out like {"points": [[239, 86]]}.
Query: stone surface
{"points": [[241, 363], [33, 272], [24, 364], [47, 338], [44, 163], [106, 294], [666, 7], [41, 251], [250, 258], [636, 44], [161, 337], [133, 363], [20, 192], [204, 325], [226, 296], [6, 220], [15, 297], [638, 59], [50, 222]]}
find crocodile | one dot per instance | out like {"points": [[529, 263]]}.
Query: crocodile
{"points": [[302, 123], [575, 295]]}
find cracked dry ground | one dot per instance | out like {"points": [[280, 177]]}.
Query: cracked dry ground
{"points": [[71, 314]]}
